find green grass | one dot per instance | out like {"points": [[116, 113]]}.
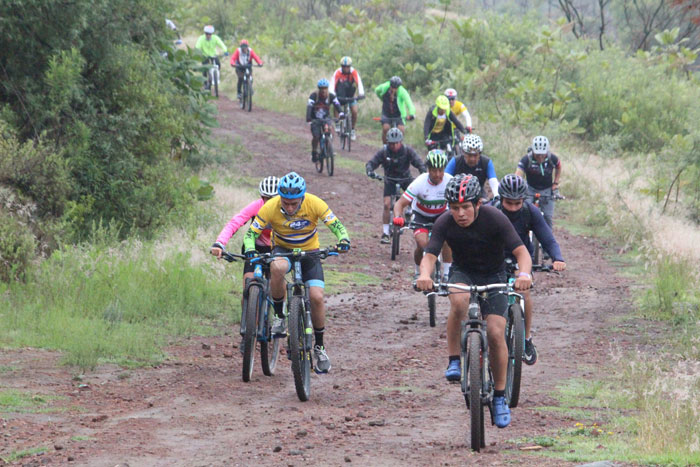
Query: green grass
{"points": [[16, 455], [353, 165], [13, 401], [343, 281], [81, 438], [117, 305]]}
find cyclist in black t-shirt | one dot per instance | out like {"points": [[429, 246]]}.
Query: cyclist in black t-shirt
{"points": [[538, 167], [478, 236]]}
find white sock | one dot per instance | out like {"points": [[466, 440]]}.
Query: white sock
{"points": [[386, 229], [446, 268], [417, 269]]}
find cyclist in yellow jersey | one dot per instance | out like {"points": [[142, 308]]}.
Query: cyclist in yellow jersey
{"points": [[293, 216], [459, 109]]}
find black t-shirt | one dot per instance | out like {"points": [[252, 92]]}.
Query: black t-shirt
{"points": [[539, 176], [480, 170], [479, 248], [390, 108]]}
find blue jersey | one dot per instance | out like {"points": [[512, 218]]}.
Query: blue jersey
{"points": [[524, 223]]}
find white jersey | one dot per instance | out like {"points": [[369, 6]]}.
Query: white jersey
{"points": [[427, 199]]}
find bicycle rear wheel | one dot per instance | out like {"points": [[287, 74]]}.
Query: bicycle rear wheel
{"points": [[432, 298], [300, 355], [476, 408], [515, 338], [270, 348], [330, 157], [251, 330], [395, 241]]}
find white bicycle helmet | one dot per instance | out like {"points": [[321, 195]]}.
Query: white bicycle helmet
{"points": [[540, 145], [451, 93], [208, 29], [472, 143], [268, 186]]}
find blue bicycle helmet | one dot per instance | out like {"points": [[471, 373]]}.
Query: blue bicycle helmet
{"points": [[292, 186], [323, 83]]}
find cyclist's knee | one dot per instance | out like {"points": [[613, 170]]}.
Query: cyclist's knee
{"points": [[459, 302], [387, 203], [316, 295]]}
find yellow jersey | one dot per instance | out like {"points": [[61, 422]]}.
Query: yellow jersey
{"points": [[297, 231], [458, 108]]}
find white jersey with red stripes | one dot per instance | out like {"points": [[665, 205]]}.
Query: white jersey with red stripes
{"points": [[426, 198]]}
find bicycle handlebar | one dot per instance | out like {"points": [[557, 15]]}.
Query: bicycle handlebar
{"points": [[442, 289], [391, 179], [323, 253]]}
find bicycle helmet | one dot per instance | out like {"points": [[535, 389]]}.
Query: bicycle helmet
{"points": [[208, 29], [436, 159], [322, 83], [394, 135], [450, 93], [442, 103], [346, 61], [472, 143], [268, 186], [244, 42], [540, 145], [291, 186], [462, 188], [512, 187], [395, 82]]}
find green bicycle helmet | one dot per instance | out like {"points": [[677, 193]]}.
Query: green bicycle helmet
{"points": [[436, 159]]}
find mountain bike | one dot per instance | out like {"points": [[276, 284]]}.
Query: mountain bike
{"points": [[299, 337], [345, 130], [395, 232], [477, 382], [256, 319], [326, 148], [213, 76], [537, 256], [446, 144], [246, 98]]}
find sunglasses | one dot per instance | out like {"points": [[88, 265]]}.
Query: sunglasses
{"points": [[290, 190]]}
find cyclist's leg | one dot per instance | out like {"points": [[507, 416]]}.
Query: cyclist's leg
{"points": [[547, 206], [316, 128], [385, 128], [389, 190], [239, 74], [204, 73], [459, 304], [528, 312], [278, 290], [446, 259], [494, 310], [312, 275], [401, 127]]}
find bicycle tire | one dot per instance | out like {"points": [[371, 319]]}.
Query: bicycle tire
{"points": [[270, 348], [515, 338], [343, 136], [432, 299], [241, 100], [215, 88], [476, 407], [395, 242], [348, 128], [251, 331], [330, 157], [320, 156], [300, 356], [250, 96]]}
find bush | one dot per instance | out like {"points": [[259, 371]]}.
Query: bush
{"points": [[17, 247]]}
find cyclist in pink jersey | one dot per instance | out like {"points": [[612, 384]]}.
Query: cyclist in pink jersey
{"points": [[267, 189]]}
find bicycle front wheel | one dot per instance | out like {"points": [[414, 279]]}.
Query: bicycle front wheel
{"points": [[215, 87], [330, 157], [244, 90], [321, 156], [395, 242], [344, 140], [300, 355], [515, 338], [476, 408], [251, 330], [348, 130], [270, 347], [249, 95]]}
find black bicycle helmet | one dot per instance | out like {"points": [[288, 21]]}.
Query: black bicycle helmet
{"points": [[395, 82], [462, 188], [512, 187], [394, 135]]}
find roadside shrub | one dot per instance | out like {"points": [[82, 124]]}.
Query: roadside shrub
{"points": [[17, 247]]}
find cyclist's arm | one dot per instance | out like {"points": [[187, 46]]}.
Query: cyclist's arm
{"points": [[409, 103], [522, 256], [457, 123], [235, 56], [360, 87], [467, 118], [246, 214], [221, 44], [255, 57], [381, 89], [557, 172], [428, 123], [375, 162], [333, 223], [522, 165], [336, 103], [544, 234], [450, 169], [310, 108], [493, 180], [249, 239], [334, 79], [198, 44], [401, 204]]}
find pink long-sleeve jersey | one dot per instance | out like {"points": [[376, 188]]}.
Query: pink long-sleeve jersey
{"points": [[246, 214]]}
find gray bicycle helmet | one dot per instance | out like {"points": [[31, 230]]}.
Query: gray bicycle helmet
{"points": [[462, 188], [268, 186], [512, 187], [472, 143], [540, 145], [395, 82], [394, 135]]}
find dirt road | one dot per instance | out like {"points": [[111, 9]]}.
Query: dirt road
{"points": [[385, 402]]}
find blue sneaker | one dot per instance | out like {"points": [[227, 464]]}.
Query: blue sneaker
{"points": [[454, 371], [500, 412]]}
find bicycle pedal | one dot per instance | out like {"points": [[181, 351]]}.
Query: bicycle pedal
{"points": [[316, 370]]}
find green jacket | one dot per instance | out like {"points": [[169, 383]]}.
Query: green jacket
{"points": [[402, 99], [208, 47]]}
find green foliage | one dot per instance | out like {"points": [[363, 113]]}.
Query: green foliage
{"points": [[673, 293], [17, 247]]}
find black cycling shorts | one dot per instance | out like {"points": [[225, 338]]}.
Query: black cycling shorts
{"points": [[421, 219], [317, 127], [390, 186], [496, 303], [311, 268], [391, 121], [248, 267]]}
